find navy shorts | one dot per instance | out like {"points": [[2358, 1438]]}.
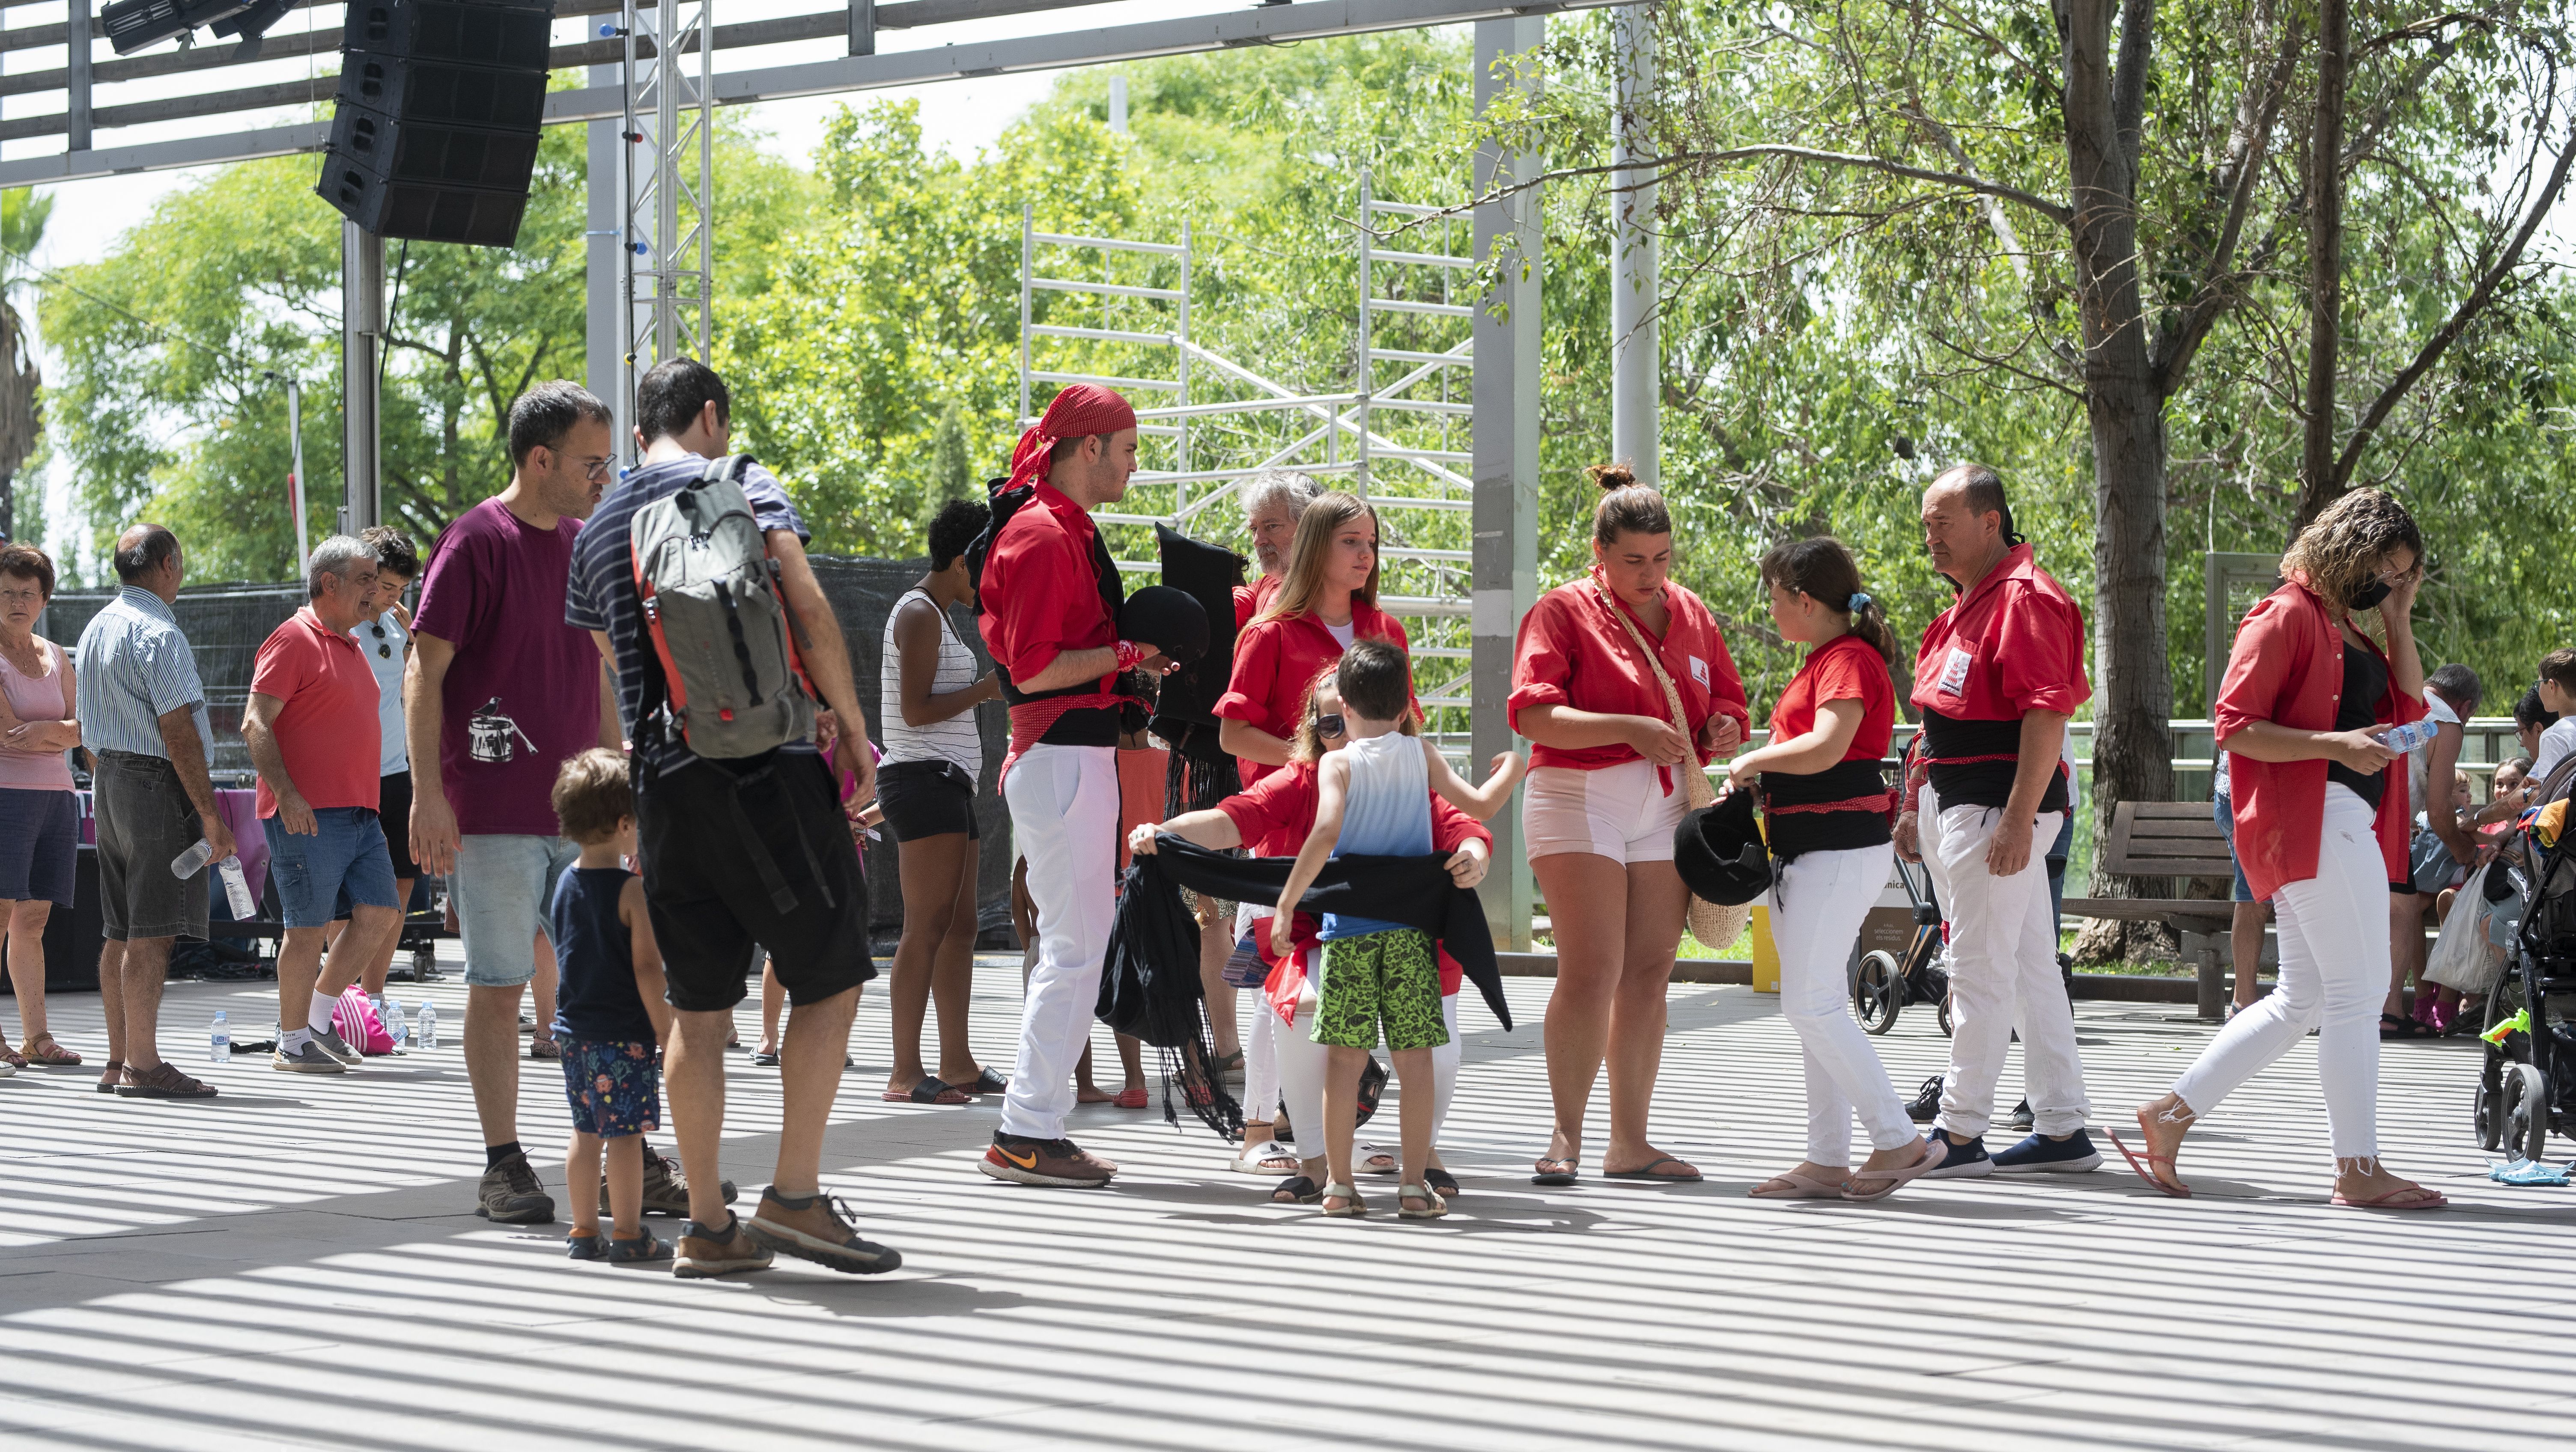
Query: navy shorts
{"points": [[39, 842], [615, 1089]]}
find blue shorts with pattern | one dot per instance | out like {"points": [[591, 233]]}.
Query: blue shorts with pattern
{"points": [[615, 1088]]}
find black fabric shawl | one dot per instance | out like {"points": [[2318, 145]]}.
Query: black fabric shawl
{"points": [[1414, 891], [1150, 990]]}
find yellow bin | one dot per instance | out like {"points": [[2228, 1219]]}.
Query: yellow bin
{"points": [[1766, 954]]}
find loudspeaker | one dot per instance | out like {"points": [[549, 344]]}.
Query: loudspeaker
{"points": [[72, 934], [441, 103]]}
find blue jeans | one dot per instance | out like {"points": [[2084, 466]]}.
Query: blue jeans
{"points": [[346, 850], [2222, 809]]}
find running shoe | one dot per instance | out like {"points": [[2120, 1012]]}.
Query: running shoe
{"points": [[1045, 1162], [2040, 1155], [1962, 1161], [338, 1047], [1927, 1102], [306, 1058]]}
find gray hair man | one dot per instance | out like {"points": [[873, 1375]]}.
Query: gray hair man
{"points": [[313, 729], [1272, 501], [143, 717]]}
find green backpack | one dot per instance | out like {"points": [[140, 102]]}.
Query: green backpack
{"points": [[732, 681]]}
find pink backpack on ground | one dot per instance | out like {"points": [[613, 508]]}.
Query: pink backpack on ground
{"points": [[354, 1019]]}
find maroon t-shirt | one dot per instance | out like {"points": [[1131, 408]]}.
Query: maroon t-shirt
{"points": [[522, 695]]}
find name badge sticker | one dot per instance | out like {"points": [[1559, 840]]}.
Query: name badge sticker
{"points": [[1699, 671], [1954, 672]]}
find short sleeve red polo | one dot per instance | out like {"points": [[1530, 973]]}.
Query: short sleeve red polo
{"points": [[1571, 651], [327, 730], [1040, 596], [2013, 644], [1276, 660], [1846, 668]]}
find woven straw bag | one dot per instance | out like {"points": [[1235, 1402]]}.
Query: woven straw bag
{"points": [[1715, 925]]}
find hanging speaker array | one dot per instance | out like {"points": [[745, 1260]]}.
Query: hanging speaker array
{"points": [[440, 108]]}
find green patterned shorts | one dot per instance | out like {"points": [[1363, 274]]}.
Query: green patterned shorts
{"points": [[1393, 977]]}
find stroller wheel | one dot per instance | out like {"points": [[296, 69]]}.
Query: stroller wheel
{"points": [[2487, 1112], [2526, 1122], [1945, 1015], [1878, 993]]}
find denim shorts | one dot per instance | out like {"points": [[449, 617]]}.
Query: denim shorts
{"points": [[2224, 812], [504, 885], [615, 1089], [346, 850]]}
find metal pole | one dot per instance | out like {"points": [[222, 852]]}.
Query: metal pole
{"points": [[1181, 440], [705, 261], [1118, 104], [76, 76], [863, 27], [631, 240], [604, 341], [1505, 549], [295, 471], [1636, 368], [1368, 368], [362, 323], [1028, 262], [666, 198]]}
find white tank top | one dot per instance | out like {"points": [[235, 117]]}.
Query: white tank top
{"points": [[953, 740], [1387, 813]]}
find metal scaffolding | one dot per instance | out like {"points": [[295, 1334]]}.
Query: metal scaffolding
{"points": [[1212, 422], [666, 252]]}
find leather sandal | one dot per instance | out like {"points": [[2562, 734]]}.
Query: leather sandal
{"points": [[43, 1050], [162, 1081], [111, 1074]]}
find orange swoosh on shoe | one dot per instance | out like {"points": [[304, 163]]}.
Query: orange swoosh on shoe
{"points": [[1029, 1163]]}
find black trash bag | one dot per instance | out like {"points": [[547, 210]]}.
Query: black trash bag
{"points": [[1150, 991]]}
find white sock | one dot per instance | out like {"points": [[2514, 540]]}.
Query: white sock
{"points": [[288, 1043], [319, 1015]]}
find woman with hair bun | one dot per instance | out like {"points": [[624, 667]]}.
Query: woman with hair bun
{"points": [[2321, 830], [1826, 812], [1590, 672]]}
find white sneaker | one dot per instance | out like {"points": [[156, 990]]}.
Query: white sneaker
{"points": [[1250, 1161]]}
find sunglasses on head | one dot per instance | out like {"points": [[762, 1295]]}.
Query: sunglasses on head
{"points": [[1329, 727]]}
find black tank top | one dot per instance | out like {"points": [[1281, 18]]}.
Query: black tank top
{"points": [[2365, 680]]}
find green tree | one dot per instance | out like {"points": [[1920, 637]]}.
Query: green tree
{"points": [[22, 228]]}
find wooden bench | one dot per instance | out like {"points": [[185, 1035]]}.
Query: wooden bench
{"points": [[2178, 840]]}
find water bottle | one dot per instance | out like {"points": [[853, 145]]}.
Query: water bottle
{"points": [[189, 863], [428, 1024], [237, 889], [219, 1040], [390, 1014]]}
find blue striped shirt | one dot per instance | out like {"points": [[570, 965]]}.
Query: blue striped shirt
{"points": [[135, 667]]}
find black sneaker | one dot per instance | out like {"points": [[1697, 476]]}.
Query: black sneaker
{"points": [[1962, 1161], [1045, 1162], [1927, 1102], [666, 1189], [2021, 1116], [511, 1194], [816, 1227], [2040, 1155]]}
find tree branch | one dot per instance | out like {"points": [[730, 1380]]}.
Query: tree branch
{"points": [[2057, 212], [2129, 82], [2479, 299], [2257, 111]]}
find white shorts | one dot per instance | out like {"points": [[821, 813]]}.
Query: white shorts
{"points": [[1620, 812]]}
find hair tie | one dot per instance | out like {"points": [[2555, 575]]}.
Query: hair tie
{"points": [[1857, 602]]}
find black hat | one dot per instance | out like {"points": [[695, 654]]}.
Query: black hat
{"points": [[1172, 621], [1720, 854]]}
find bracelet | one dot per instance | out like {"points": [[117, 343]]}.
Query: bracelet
{"points": [[1129, 653]]}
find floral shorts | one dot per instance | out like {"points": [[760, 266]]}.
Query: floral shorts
{"points": [[1391, 978], [615, 1088]]}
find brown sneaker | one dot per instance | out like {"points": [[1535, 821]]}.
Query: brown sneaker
{"points": [[1045, 1162], [815, 1227], [511, 1194], [162, 1081], [666, 1188], [704, 1252]]}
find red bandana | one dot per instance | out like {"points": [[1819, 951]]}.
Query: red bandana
{"points": [[1081, 410]]}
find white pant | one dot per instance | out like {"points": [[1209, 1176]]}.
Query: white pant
{"points": [[1261, 1061], [2003, 958], [1816, 911], [1064, 819], [2334, 971], [1301, 1071]]}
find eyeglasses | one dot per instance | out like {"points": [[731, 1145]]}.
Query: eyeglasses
{"points": [[1329, 727], [596, 469]]}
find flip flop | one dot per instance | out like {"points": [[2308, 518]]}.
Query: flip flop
{"points": [[2393, 1200], [1646, 1171], [1563, 1174], [1130, 1099], [2145, 1165], [1296, 1190], [1801, 1187], [1442, 1181], [764, 1058], [1264, 1159], [928, 1091], [1936, 1150], [987, 1082], [2398, 1026]]}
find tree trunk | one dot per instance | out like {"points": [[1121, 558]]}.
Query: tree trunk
{"points": [[2133, 687], [2317, 473]]}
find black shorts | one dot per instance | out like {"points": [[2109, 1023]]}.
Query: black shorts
{"points": [[756, 851], [926, 799], [393, 809]]}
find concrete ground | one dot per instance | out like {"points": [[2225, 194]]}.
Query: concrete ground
{"points": [[296, 1263]]}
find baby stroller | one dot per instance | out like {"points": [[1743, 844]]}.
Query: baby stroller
{"points": [[1885, 985], [2527, 1083]]}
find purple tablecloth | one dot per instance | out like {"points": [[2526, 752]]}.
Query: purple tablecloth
{"points": [[240, 807]]}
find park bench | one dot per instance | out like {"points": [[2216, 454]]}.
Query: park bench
{"points": [[2172, 840]]}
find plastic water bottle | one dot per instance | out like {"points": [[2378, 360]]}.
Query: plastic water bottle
{"points": [[237, 889], [189, 863], [219, 1039], [390, 1014], [428, 1024]]}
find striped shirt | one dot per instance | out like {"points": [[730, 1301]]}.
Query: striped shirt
{"points": [[135, 667]]}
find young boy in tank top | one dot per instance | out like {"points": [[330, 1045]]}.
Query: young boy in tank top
{"points": [[1373, 797], [611, 1016]]}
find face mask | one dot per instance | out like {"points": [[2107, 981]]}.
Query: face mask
{"points": [[2369, 596]]}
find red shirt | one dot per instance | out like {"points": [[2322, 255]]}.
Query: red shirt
{"points": [[2013, 644], [1276, 660], [2287, 667], [1250, 600], [1040, 595], [1572, 652], [327, 731], [1275, 816], [1846, 668]]}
